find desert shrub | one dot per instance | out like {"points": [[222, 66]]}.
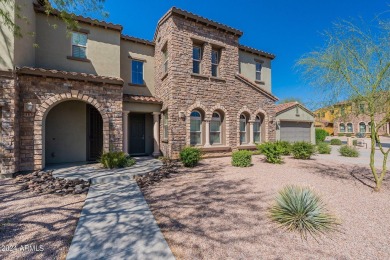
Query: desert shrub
{"points": [[116, 159], [348, 151], [285, 147], [324, 148], [354, 142], [341, 134], [256, 152], [301, 210], [321, 134], [242, 158], [272, 151], [303, 150], [348, 135], [190, 156], [336, 142]]}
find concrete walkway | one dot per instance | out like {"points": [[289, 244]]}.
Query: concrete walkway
{"points": [[96, 174], [116, 222]]}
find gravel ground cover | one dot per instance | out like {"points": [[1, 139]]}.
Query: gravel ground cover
{"points": [[217, 211], [36, 226]]}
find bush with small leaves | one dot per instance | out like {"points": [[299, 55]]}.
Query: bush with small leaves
{"points": [[354, 142], [336, 142], [284, 146], [300, 209], [348, 135], [321, 134], [242, 158], [324, 148], [272, 151], [341, 134], [348, 151], [303, 150], [190, 156], [116, 159]]}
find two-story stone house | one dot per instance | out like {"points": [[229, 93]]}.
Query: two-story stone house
{"points": [[82, 92]]}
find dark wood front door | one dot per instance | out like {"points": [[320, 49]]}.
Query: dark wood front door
{"points": [[94, 133], [137, 134]]}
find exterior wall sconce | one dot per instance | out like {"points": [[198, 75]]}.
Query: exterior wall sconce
{"points": [[182, 115], [29, 107]]}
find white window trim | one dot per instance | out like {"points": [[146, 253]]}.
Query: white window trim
{"points": [[78, 45], [220, 127], [165, 125], [245, 141], [200, 131], [257, 121], [258, 71], [200, 59], [143, 72]]}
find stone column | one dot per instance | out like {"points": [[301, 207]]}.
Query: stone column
{"points": [[251, 131], [126, 131], [156, 133], [207, 141]]}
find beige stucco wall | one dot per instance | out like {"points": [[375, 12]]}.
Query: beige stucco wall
{"points": [[291, 115], [6, 40], [141, 52], [103, 48], [248, 69], [65, 135]]}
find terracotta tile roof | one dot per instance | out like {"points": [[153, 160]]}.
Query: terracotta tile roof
{"points": [[199, 19], [255, 86], [138, 40], [40, 9], [68, 74], [285, 106], [141, 99], [259, 52]]}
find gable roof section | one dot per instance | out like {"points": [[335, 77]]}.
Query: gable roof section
{"points": [[141, 99], [288, 106], [256, 87], [198, 19], [136, 40], [257, 52]]}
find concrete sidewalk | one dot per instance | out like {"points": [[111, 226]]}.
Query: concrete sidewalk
{"points": [[116, 223]]}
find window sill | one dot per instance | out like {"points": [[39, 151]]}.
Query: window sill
{"points": [[217, 79], [247, 147], [136, 85], [78, 59], [199, 76], [164, 141], [164, 76], [216, 148], [260, 82]]}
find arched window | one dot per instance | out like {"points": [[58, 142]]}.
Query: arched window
{"points": [[215, 128], [349, 128], [342, 128], [362, 127], [257, 130], [196, 128], [243, 123]]}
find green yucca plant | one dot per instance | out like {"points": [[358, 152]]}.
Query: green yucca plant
{"points": [[301, 209]]}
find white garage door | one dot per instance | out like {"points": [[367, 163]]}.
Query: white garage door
{"points": [[295, 131]]}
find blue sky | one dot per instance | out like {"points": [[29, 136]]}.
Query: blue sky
{"points": [[285, 28]]}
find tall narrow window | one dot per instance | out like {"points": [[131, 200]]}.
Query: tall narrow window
{"points": [[243, 123], [349, 128], [195, 128], [79, 45], [215, 128], [257, 130], [361, 108], [362, 127], [165, 60], [137, 72], [196, 59], [165, 125], [258, 70], [342, 128], [343, 111], [214, 63]]}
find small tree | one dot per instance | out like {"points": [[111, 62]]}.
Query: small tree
{"points": [[355, 65]]}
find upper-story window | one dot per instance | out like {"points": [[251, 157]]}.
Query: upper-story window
{"points": [[165, 125], [214, 63], [196, 59], [165, 60], [258, 70], [137, 72], [79, 45]]}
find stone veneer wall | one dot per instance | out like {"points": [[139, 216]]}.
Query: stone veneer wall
{"points": [[45, 93], [9, 148], [182, 91], [355, 120]]}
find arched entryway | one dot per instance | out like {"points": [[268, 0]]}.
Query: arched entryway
{"points": [[73, 132]]}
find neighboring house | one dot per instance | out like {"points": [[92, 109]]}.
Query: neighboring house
{"points": [[348, 118], [324, 118], [98, 90], [294, 123]]}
